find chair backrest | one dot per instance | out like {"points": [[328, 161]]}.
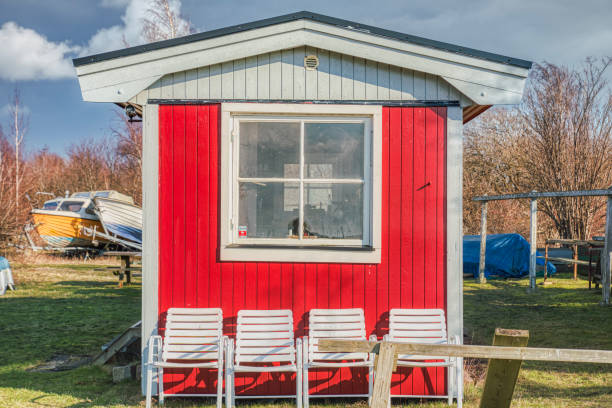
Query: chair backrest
{"points": [[348, 324], [265, 336], [192, 334], [417, 325]]}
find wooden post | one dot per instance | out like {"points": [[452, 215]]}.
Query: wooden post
{"points": [[382, 376], [606, 255], [533, 244], [545, 262], [575, 264], [483, 242], [125, 267], [502, 374]]}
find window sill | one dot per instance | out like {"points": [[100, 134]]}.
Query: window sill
{"points": [[300, 254]]}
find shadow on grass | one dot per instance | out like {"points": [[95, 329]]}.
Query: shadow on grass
{"points": [[66, 317]]}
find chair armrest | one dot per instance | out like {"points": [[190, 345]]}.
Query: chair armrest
{"points": [[373, 337], [305, 350], [154, 341], [299, 359], [386, 337]]}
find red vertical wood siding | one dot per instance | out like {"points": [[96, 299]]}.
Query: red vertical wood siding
{"points": [[412, 272]]}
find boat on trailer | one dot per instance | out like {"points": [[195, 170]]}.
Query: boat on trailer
{"points": [[61, 220], [89, 219], [120, 217]]}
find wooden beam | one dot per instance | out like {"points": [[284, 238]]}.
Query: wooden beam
{"points": [[502, 374], [483, 243], [387, 354], [461, 350], [117, 344]]}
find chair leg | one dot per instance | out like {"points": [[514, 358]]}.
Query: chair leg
{"points": [[220, 386], [298, 373], [305, 388], [149, 384], [459, 382], [371, 384], [160, 387], [450, 383]]}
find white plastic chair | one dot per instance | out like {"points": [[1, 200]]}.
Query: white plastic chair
{"points": [[263, 338], [426, 326], [346, 324], [193, 339]]}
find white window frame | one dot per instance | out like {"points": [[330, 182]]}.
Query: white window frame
{"points": [[300, 250]]}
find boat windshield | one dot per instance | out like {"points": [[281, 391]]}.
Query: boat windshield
{"points": [[50, 205], [74, 206]]}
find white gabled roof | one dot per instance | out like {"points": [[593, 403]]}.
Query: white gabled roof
{"points": [[484, 77]]}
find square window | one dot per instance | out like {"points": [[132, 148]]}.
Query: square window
{"points": [[300, 183]]}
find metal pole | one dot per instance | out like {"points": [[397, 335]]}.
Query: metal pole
{"points": [[606, 255], [533, 243], [483, 242]]}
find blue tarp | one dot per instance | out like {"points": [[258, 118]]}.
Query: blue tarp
{"points": [[4, 264], [507, 256]]}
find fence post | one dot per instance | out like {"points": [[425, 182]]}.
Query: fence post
{"points": [[502, 374], [533, 243], [483, 242], [606, 255]]}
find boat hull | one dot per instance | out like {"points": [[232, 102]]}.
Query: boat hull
{"points": [[120, 218], [64, 231]]}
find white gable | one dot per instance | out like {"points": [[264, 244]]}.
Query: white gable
{"points": [[483, 81], [281, 75]]}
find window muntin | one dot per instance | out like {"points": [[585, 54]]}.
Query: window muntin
{"points": [[301, 180]]}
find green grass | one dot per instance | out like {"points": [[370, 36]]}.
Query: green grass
{"points": [[59, 309]]}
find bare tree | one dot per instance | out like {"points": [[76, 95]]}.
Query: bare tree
{"points": [[18, 128], [164, 22], [568, 131], [559, 139]]}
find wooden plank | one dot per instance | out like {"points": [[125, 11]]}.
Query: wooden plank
{"points": [[335, 76], [461, 350], [566, 260], [502, 374], [382, 378], [323, 75], [251, 77], [117, 344], [275, 75], [483, 243], [263, 76], [311, 77], [240, 78]]}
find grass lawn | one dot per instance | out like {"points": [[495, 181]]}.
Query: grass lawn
{"points": [[59, 309]]}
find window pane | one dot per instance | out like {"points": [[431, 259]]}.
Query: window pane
{"points": [[333, 150], [333, 211], [269, 149], [268, 210], [74, 206]]}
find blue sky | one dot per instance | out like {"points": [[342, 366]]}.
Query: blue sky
{"points": [[40, 37]]}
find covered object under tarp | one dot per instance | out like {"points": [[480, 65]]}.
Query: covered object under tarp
{"points": [[507, 256]]}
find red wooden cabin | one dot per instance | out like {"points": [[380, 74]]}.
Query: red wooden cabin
{"points": [[303, 162]]}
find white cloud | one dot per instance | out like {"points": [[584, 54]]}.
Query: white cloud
{"points": [[28, 55], [129, 33]]}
